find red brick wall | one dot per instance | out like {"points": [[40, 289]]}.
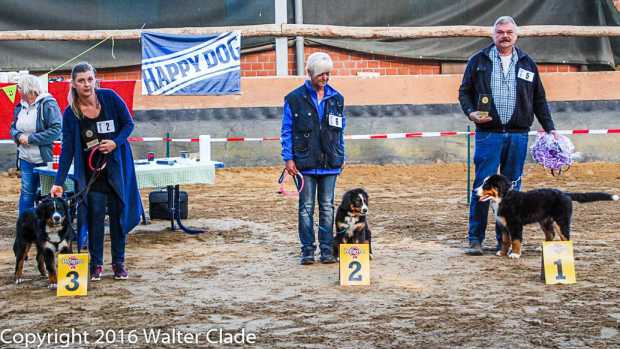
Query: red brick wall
{"points": [[554, 68], [345, 63]]}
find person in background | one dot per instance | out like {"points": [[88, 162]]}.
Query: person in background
{"points": [[36, 125], [312, 136], [506, 80], [95, 129]]}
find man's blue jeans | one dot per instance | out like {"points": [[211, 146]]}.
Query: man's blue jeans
{"points": [[97, 203], [321, 186], [29, 185], [494, 149]]}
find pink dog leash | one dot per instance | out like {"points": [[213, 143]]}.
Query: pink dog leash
{"points": [[299, 183]]}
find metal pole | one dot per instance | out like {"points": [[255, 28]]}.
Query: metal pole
{"points": [[167, 144], [299, 40], [281, 43], [468, 164]]}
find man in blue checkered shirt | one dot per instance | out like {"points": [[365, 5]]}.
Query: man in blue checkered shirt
{"points": [[507, 79]]}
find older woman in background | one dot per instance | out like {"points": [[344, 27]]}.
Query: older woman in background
{"points": [[36, 124]]}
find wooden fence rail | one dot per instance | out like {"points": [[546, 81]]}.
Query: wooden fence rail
{"points": [[314, 31]]}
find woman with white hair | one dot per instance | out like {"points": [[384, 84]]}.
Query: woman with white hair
{"points": [[312, 136], [36, 124]]}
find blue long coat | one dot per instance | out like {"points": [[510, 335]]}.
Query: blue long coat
{"points": [[120, 167]]}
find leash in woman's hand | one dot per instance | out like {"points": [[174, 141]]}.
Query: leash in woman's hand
{"points": [[298, 179], [96, 168]]}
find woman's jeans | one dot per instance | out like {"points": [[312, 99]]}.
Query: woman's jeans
{"points": [[29, 185], [97, 203], [494, 149], [322, 186]]}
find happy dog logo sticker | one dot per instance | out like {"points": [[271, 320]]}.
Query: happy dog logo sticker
{"points": [[354, 251], [72, 262], [558, 249]]}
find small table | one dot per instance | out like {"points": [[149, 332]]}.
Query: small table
{"points": [[154, 175]]}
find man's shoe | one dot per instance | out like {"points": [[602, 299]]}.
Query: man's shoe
{"points": [[474, 249], [328, 259]]}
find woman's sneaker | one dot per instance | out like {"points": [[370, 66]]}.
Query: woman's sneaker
{"points": [[96, 272], [120, 273]]}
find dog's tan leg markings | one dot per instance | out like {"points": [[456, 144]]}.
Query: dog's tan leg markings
{"points": [[548, 227], [19, 268], [53, 277], [548, 230], [556, 227], [516, 249], [549, 236], [505, 245]]}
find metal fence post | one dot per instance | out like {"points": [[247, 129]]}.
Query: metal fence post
{"points": [[167, 144]]}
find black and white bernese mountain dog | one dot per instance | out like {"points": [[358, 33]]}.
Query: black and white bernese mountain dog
{"points": [[351, 223], [49, 228], [551, 208]]}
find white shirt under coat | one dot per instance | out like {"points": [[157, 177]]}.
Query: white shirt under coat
{"points": [[27, 123]]}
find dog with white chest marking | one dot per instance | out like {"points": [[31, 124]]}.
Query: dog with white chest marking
{"points": [[351, 222], [48, 227], [551, 208]]}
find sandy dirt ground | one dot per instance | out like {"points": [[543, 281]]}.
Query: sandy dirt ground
{"points": [[425, 293]]}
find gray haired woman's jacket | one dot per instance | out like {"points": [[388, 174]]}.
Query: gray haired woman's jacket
{"points": [[49, 126]]}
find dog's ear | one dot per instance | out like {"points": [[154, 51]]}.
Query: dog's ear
{"points": [[365, 195], [346, 199], [42, 207], [505, 185]]}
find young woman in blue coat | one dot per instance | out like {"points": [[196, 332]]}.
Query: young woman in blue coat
{"points": [[95, 129]]}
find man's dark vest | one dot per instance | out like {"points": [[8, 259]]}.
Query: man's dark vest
{"points": [[315, 144]]}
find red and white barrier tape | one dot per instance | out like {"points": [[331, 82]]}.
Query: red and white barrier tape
{"points": [[371, 136]]}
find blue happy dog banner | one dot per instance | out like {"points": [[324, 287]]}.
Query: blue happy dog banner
{"points": [[191, 64]]}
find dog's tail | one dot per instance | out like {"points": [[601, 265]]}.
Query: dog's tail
{"points": [[591, 197]]}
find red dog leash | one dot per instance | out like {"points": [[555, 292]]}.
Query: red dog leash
{"points": [[101, 164]]}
